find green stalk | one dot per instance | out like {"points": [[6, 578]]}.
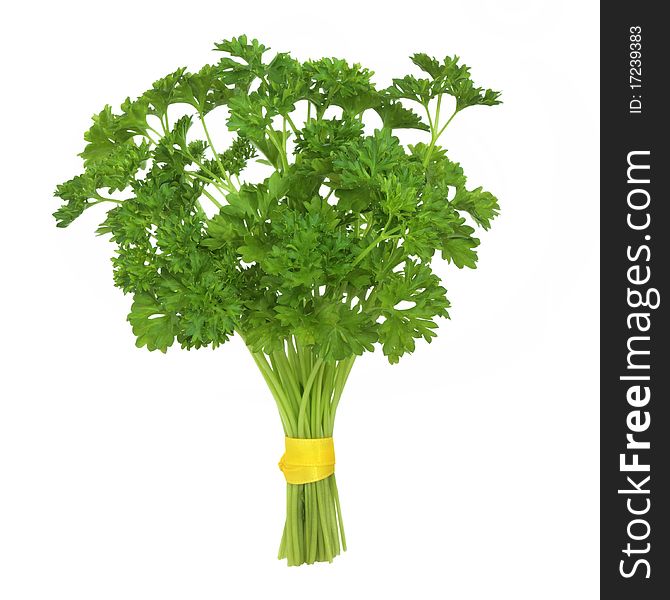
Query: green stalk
{"points": [[436, 131], [214, 152], [307, 390], [336, 496], [330, 514], [322, 509], [305, 397], [315, 422], [293, 357], [290, 423], [294, 529], [309, 525], [343, 376], [314, 522], [289, 377]]}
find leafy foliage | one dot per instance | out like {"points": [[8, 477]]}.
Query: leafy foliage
{"points": [[334, 249]]}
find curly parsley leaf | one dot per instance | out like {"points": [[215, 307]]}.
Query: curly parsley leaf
{"points": [[333, 250]]}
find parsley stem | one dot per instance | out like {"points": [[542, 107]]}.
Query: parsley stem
{"points": [[292, 124], [436, 135], [158, 133], [104, 199], [290, 424], [437, 111], [212, 198], [284, 137], [439, 133], [287, 376], [293, 356], [218, 184], [152, 140], [214, 179], [384, 235], [430, 118], [344, 368], [215, 153], [302, 429], [280, 150], [336, 496]]}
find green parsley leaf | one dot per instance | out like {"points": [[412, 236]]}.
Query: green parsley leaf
{"points": [[332, 251]]}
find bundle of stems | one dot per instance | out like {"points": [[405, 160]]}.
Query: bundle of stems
{"points": [[307, 391]]}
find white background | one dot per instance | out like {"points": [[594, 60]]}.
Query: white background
{"points": [[468, 471]]}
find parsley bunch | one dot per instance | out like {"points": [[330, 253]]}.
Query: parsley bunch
{"points": [[326, 257]]}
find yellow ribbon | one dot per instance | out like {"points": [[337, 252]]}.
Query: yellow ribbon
{"points": [[307, 460]]}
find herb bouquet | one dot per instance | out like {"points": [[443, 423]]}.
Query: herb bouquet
{"points": [[326, 257]]}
